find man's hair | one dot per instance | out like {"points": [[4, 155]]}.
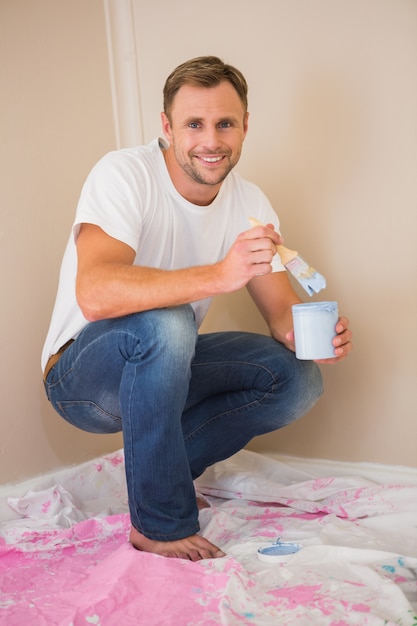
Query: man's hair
{"points": [[207, 71]]}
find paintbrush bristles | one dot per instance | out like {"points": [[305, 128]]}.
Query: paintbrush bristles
{"points": [[309, 278]]}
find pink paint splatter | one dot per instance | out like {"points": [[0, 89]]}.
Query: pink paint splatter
{"points": [[321, 483], [267, 533], [361, 608], [302, 594], [307, 516], [115, 460], [305, 596]]}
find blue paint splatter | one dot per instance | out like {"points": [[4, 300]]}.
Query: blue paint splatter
{"points": [[249, 615], [389, 568]]}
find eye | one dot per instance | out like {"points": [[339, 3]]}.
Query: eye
{"points": [[225, 124], [194, 125]]}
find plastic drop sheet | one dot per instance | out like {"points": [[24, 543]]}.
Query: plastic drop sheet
{"points": [[65, 558]]}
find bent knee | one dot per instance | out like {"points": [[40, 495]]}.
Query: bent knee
{"points": [[174, 327], [177, 323]]}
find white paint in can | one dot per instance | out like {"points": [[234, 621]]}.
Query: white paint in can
{"points": [[314, 329]]}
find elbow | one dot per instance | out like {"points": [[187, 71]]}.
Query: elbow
{"points": [[89, 304], [91, 313]]}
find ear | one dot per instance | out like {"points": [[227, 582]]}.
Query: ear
{"points": [[166, 126], [246, 123]]}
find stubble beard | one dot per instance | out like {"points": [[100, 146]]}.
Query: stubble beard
{"points": [[197, 176]]}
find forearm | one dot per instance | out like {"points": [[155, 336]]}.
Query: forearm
{"points": [[274, 297], [280, 327], [114, 290], [110, 285]]}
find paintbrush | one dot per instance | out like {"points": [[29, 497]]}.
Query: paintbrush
{"points": [[309, 278]]}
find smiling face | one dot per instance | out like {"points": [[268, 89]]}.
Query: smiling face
{"points": [[206, 129]]}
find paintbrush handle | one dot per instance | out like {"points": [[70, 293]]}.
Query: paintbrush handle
{"points": [[285, 254]]}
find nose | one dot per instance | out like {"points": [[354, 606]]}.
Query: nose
{"points": [[211, 138]]}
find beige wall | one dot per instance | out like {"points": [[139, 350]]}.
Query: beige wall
{"points": [[333, 95], [56, 121]]}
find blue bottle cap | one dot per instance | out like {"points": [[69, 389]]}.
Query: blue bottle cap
{"points": [[278, 552]]}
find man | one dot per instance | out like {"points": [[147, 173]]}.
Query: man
{"points": [[159, 231]]}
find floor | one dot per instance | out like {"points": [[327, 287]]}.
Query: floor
{"points": [[65, 558]]}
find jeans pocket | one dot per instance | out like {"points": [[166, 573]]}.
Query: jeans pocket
{"points": [[88, 416]]}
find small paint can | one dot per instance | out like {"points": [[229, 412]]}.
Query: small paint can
{"points": [[314, 329], [279, 552]]}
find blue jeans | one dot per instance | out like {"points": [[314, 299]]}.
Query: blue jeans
{"points": [[184, 401]]}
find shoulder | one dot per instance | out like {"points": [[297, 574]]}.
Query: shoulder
{"points": [[127, 162]]}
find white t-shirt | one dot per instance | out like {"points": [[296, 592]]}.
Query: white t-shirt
{"points": [[130, 195]]}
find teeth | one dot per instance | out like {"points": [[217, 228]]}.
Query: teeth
{"points": [[212, 159]]}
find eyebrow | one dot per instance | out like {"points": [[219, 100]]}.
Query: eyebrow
{"points": [[226, 118]]}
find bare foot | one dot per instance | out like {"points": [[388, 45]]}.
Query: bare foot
{"points": [[202, 503], [193, 548]]}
